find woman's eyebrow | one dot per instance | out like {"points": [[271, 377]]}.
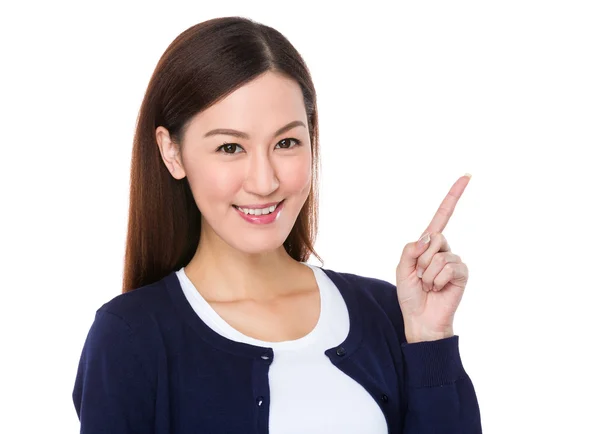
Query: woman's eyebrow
{"points": [[242, 135]]}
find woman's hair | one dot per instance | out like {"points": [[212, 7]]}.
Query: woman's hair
{"points": [[201, 66]]}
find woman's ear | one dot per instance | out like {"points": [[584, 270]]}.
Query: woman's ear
{"points": [[170, 152]]}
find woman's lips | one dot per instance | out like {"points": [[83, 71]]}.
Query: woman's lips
{"points": [[258, 205], [261, 219]]}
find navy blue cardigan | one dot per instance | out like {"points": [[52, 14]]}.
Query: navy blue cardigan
{"points": [[150, 365]]}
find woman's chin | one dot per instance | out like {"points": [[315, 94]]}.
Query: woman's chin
{"points": [[258, 247]]}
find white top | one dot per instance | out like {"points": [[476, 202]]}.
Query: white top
{"points": [[308, 393]]}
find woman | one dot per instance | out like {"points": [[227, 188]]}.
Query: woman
{"points": [[223, 327]]}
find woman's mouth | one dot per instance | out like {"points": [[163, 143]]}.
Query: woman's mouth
{"points": [[258, 211], [264, 215]]}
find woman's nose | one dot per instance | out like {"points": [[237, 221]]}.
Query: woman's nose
{"points": [[261, 178]]}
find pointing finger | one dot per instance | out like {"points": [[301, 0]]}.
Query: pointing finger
{"points": [[446, 209]]}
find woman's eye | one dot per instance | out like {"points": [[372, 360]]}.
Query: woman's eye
{"points": [[289, 142], [229, 148]]}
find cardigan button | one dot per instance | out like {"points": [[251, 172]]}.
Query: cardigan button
{"points": [[340, 351], [384, 398], [259, 401], [265, 356]]}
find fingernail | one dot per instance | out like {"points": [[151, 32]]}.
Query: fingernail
{"points": [[419, 272], [424, 239]]}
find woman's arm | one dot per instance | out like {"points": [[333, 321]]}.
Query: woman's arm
{"points": [[439, 394], [112, 393]]}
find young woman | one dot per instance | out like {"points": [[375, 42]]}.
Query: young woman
{"points": [[222, 326]]}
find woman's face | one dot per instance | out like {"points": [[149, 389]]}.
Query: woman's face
{"points": [[234, 175]]}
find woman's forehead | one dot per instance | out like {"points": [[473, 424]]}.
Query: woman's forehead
{"points": [[261, 106]]}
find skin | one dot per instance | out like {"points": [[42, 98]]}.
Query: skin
{"points": [[242, 269]]}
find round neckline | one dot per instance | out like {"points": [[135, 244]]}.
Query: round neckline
{"points": [[237, 336], [343, 281]]}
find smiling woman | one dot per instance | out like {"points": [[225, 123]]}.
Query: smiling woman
{"points": [[223, 326], [258, 174]]}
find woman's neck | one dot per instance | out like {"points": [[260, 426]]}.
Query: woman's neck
{"points": [[224, 274]]}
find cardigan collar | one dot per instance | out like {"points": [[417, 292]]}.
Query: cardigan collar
{"points": [[345, 285]]}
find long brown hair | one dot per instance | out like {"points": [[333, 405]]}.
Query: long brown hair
{"points": [[202, 65]]}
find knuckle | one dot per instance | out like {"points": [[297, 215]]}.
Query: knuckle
{"points": [[410, 249], [446, 211], [440, 258]]}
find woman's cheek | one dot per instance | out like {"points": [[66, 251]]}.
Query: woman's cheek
{"points": [[296, 173], [211, 184]]}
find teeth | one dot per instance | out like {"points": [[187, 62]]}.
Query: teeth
{"points": [[262, 211]]}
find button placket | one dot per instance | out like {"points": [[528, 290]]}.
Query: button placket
{"points": [[260, 398], [264, 361]]}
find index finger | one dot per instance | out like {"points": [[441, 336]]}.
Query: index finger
{"points": [[446, 209]]}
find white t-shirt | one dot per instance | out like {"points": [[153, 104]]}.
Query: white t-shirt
{"points": [[308, 393]]}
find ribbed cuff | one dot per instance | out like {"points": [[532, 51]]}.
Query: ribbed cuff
{"points": [[432, 363]]}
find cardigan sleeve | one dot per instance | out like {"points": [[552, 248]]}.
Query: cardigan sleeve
{"points": [[440, 395], [112, 394], [437, 394]]}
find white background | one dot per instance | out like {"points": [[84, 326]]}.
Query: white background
{"points": [[411, 96]]}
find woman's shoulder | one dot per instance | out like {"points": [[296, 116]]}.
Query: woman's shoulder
{"points": [[121, 347], [377, 289], [371, 296], [141, 304], [359, 281]]}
